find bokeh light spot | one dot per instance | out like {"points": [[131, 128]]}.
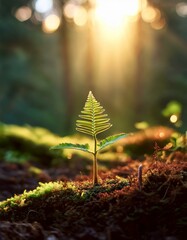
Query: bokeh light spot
{"points": [[51, 23], [159, 24], [161, 134], [43, 6], [150, 14], [23, 13], [69, 10], [181, 9], [80, 17], [173, 118]]}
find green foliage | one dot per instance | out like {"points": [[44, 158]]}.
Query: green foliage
{"points": [[12, 156], [22, 144], [93, 123], [172, 107], [82, 147], [179, 142], [141, 125], [110, 140]]}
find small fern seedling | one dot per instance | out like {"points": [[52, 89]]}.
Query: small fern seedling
{"points": [[92, 121]]}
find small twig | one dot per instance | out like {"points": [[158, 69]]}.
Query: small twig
{"points": [[140, 177], [166, 191]]}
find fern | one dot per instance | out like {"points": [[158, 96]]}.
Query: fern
{"points": [[82, 147], [93, 121], [110, 140]]}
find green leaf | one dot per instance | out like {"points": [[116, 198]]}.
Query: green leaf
{"points": [[110, 140], [93, 120], [82, 147], [172, 107]]}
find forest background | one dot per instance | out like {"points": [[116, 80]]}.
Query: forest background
{"points": [[138, 72]]}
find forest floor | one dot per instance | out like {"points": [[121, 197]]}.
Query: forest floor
{"points": [[122, 206]]}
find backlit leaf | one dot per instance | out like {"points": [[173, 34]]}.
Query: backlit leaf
{"points": [[93, 121], [82, 147], [110, 140]]}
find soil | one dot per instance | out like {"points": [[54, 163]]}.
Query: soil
{"points": [[152, 209]]}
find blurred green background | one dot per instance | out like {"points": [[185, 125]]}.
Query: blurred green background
{"points": [[131, 54]]}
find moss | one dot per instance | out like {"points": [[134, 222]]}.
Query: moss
{"points": [[49, 195]]}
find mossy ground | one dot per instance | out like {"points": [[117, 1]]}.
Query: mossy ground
{"points": [[66, 206]]}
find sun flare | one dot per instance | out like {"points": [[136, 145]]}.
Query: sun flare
{"points": [[113, 13]]}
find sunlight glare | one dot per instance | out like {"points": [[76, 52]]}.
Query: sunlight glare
{"points": [[113, 13], [51, 23]]}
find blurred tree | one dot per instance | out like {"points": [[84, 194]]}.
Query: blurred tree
{"points": [[30, 92], [170, 78], [44, 78]]}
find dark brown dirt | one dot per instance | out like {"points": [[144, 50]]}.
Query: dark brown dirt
{"points": [[157, 212]]}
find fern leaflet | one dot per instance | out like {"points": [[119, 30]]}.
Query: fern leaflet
{"points": [[110, 140], [93, 120], [82, 147]]}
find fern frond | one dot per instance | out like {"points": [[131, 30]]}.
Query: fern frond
{"points": [[82, 147], [93, 121], [110, 140]]}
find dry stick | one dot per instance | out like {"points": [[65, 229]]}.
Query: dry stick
{"points": [[140, 177]]}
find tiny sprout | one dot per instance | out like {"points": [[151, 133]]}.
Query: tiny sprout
{"points": [[92, 122]]}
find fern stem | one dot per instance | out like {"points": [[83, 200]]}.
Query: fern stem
{"points": [[95, 171], [95, 145], [95, 164]]}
